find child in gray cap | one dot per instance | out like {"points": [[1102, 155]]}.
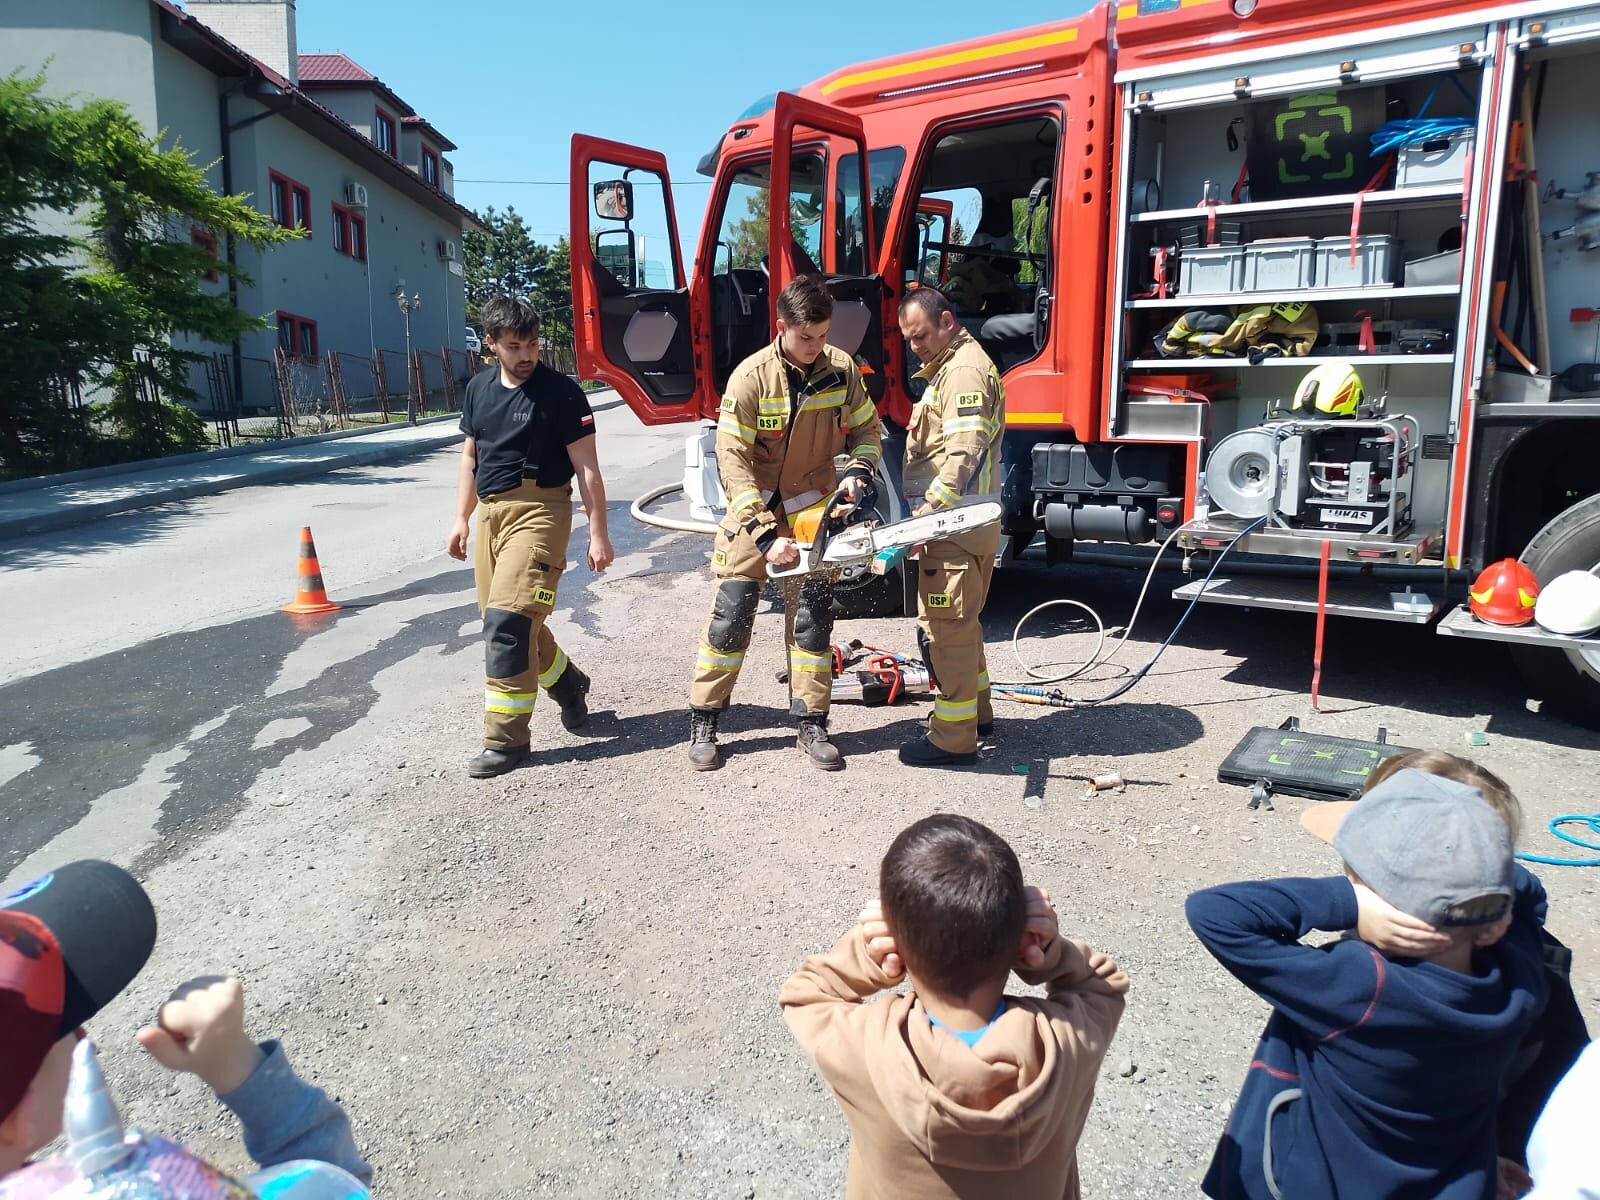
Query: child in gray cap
{"points": [[1378, 1072]]}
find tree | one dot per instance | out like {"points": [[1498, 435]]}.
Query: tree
{"points": [[506, 261], [105, 308]]}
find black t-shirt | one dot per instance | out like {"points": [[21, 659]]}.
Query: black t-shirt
{"points": [[523, 432]]}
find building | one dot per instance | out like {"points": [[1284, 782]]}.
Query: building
{"points": [[316, 140]]}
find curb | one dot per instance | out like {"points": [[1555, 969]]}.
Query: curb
{"points": [[355, 456]]}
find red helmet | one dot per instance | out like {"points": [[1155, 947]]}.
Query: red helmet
{"points": [[1504, 594]]}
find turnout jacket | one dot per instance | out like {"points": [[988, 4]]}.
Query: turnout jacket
{"points": [[778, 432], [954, 439], [932, 1118]]}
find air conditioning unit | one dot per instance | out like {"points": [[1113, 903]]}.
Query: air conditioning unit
{"points": [[355, 195], [448, 250]]}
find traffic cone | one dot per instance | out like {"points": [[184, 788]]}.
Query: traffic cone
{"points": [[309, 596]]}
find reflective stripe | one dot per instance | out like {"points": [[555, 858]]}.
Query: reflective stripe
{"points": [[940, 494], [744, 500], [726, 424], [710, 660], [869, 452], [804, 500], [804, 661], [556, 668], [833, 398], [953, 713], [767, 405], [509, 703], [861, 414], [983, 680], [964, 425]]}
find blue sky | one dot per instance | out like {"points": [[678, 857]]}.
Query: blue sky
{"points": [[510, 83]]}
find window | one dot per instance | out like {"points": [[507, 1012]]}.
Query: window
{"points": [[883, 176], [349, 233], [291, 201], [430, 167], [202, 240], [297, 336], [383, 132]]}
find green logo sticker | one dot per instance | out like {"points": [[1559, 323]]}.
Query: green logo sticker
{"points": [[719, 558]]}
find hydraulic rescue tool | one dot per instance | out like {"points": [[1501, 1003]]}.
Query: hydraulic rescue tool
{"points": [[846, 535]]}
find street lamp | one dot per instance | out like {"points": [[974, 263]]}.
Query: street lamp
{"points": [[408, 306]]}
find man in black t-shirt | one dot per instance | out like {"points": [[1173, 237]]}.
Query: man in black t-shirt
{"points": [[529, 432]]}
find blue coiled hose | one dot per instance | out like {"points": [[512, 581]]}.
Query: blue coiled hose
{"points": [[1591, 823]]}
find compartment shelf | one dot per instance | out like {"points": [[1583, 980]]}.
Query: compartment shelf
{"points": [[1184, 366], [1419, 197], [1311, 294]]}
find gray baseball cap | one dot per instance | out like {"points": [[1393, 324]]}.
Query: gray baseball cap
{"points": [[1427, 844]]}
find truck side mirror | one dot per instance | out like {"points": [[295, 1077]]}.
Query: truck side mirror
{"points": [[613, 200]]}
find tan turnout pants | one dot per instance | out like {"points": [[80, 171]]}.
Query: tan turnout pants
{"points": [[952, 585], [517, 563], [741, 572]]}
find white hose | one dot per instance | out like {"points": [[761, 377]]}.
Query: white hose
{"points": [[637, 511], [1036, 674]]}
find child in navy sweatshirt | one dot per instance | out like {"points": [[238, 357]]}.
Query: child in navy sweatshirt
{"points": [[1378, 1074]]}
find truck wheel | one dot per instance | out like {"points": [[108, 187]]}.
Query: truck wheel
{"points": [[1567, 680]]}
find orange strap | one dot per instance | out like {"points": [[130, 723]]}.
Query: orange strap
{"points": [[1361, 196]]}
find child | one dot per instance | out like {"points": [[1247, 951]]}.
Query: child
{"points": [[1559, 1034], [954, 1088], [70, 941], [1378, 1073]]}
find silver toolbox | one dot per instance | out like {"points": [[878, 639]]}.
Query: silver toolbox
{"points": [[1210, 270], [1280, 264], [1374, 266]]}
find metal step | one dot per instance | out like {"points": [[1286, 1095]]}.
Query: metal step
{"points": [[1461, 623], [1345, 599]]}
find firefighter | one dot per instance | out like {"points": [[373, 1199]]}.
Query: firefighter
{"points": [[529, 431], [952, 452], [787, 412]]}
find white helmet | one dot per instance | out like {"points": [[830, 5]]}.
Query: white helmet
{"points": [[1570, 604]]}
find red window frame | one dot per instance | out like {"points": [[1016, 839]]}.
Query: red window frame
{"points": [[349, 233], [387, 124], [290, 201], [203, 240], [430, 167], [301, 331]]}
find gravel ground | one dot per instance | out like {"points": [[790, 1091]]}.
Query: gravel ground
{"points": [[563, 982]]}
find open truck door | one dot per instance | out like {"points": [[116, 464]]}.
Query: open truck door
{"points": [[857, 326], [632, 320]]}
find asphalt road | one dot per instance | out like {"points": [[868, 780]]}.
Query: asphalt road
{"points": [[563, 982]]}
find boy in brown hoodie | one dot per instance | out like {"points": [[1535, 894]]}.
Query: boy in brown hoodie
{"points": [[953, 1088]]}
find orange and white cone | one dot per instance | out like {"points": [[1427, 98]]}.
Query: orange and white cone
{"points": [[310, 596]]}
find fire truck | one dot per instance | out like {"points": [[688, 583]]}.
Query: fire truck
{"points": [[1158, 218]]}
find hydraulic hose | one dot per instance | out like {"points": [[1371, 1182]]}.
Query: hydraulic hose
{"points": [[637, 511]]}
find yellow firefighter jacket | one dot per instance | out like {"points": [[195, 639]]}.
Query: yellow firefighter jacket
{"points": [[779, 430], [953, 444]]}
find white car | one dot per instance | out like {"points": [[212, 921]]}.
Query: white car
{"points": [[474, 342]]}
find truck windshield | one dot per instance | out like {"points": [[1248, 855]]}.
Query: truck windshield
{"points": [[883, 176], [742, 225]]}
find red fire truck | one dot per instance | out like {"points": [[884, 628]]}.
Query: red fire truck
{"points": [[1158, 218]]}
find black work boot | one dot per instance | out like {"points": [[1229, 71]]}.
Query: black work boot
{"points": [[923, 753], [569, 693], [703, 752], [985, 728], [814, 742], [495, 760]]}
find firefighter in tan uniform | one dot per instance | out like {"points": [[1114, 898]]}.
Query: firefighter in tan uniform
{"points": [[952, 458], [529, 432], [788, 410]]}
